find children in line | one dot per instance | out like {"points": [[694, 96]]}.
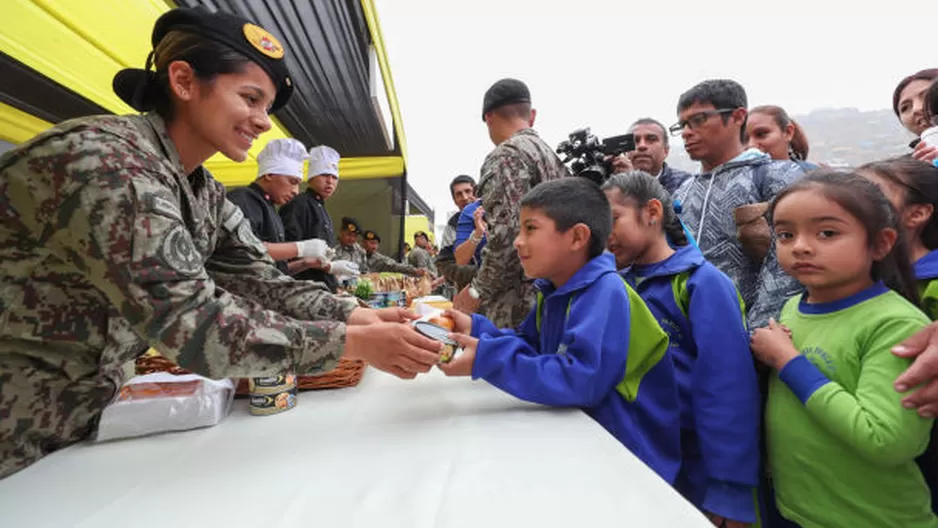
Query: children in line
{"points": [[701, 310], [590, 342], [842, 448]]}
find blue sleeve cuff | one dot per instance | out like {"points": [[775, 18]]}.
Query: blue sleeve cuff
{"points": [[803, 378], [733, 501], [481, 325]]}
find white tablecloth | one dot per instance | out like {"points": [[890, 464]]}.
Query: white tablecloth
{"points": [[433, 452]]}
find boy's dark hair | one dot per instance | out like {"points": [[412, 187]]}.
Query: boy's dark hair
{"points": [[459, 180], [919, 181], [639, 188], [655, 122], [572, 201], [721, 93], [866, 202]]}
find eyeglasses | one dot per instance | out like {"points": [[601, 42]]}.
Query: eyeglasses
{"points": [[697, 120]]}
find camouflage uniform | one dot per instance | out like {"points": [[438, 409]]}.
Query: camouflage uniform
{"points": [[510, 171], [108, 248], [354, 253], [377, 263], [420, 258]]}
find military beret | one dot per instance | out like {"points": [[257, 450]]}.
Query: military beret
{"points": [[505, 92], [350, 225], [371, 235], [137, 87]]}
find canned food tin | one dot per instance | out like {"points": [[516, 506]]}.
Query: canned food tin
{"points": [[395, 299], [271, 384], [378, 300], [267, 404]]}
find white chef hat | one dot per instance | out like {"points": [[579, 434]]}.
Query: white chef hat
{"points": [[323, 160], [282, 156]]}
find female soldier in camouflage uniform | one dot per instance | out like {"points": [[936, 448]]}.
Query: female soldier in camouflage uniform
{"points": [[115, 239]]}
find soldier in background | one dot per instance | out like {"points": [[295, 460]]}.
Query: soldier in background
{"points": [[348, 252], [420, 257], [279, 174], [114, 238], [521, 160], [305, 217], [375, 262]]}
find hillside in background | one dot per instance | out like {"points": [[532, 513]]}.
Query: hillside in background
{"points": [[839, 136]]}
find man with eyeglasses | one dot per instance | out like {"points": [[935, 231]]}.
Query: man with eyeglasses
{"points": [[733, 183], [651, 149]]}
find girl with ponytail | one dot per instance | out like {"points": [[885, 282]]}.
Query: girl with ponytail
{"points": [[702, 312], [841, 447], [772, 131]]}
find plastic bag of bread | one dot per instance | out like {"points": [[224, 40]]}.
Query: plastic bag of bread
{"points": [[162, 402], [752, 230]]}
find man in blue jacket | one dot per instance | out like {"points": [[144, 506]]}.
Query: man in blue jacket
{"points": [[590, 341]]}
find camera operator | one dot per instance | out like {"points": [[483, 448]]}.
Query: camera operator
{"points": [[651, 149]]}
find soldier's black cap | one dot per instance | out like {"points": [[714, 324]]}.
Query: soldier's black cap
{"points": [[137, 87], [351, 225], [371, 235], [419, 234], [505, 92]]}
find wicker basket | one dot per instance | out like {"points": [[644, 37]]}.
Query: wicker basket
{"points": [[348, 373]]}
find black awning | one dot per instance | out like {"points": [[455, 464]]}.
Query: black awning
{"points": [[328, 56], [40, 96]]}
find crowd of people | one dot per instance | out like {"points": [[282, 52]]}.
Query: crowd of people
{"points": [[758, 333]]}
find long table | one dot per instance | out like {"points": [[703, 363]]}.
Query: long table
{"points": [[432, 452]]}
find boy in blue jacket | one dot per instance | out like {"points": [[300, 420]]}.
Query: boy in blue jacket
{"points": [[590, 342]]}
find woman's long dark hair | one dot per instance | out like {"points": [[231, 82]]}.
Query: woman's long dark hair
{"points": [[641, 187], [867, 203]]}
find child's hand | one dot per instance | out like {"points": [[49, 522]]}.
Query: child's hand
{"points": [[461, 365], [462, 322], [772, 345]]}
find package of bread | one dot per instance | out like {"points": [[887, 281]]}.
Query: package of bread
{"points": [[163, 402]]}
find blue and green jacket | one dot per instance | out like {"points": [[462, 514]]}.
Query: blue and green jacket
{"points": [[700, 309], [592, 344]]}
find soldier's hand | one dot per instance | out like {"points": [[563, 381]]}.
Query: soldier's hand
{"points": [[392, 347], [421, 272], [396, 315], [345, 268], [312, 248]]}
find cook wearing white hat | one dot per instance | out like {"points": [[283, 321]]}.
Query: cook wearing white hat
{"points": [[323, 170], [279, 173]]}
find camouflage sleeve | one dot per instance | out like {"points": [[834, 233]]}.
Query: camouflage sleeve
{"points": [[383, 263], [241, 265], [505, 180], [460, 276], [774, 286], [124, 229]]}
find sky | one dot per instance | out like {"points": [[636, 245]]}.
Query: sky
{"points": [[604, 64]]}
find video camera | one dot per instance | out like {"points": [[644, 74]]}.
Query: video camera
{"points": [[587, 155]]}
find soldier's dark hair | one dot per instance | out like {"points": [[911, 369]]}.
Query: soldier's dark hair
{"points": [[721, 93], [207, 58], [572, 201], [655, 122], [460, 180], [516, 110], [919, 181], [864, 201], [637, 188]]}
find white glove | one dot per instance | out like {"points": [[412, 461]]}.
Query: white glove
{"points": [[314, 248], [344, 268]]}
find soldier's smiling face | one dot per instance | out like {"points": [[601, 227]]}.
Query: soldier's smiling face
{"points": [[227, 113]]}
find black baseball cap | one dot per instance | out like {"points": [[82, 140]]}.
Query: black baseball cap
{"points": [[136, 87], [371, 235]]}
